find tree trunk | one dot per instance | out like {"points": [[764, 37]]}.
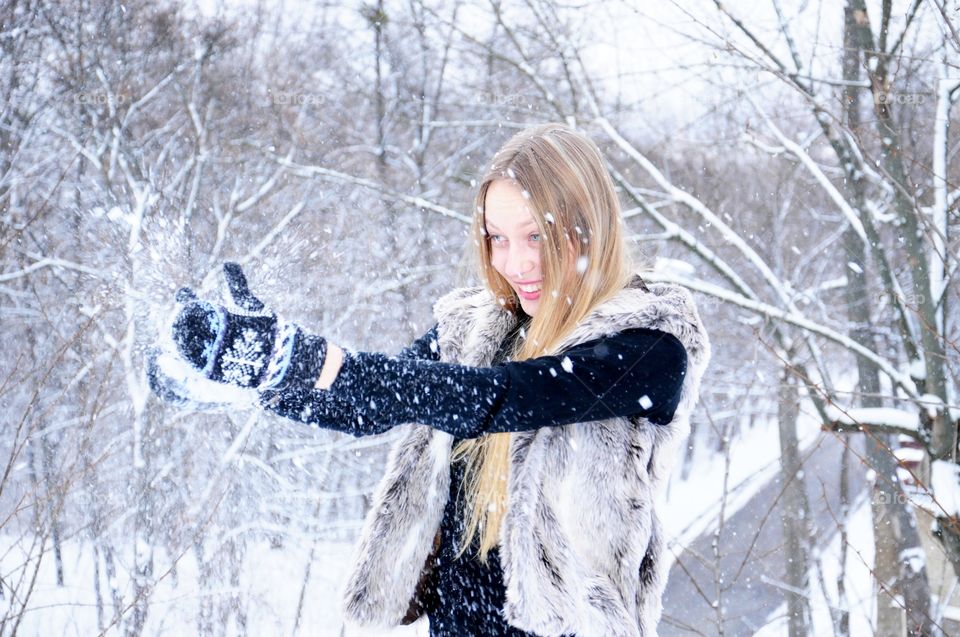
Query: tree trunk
{"points": [[843, 614], [796, 511], [900, 575]]}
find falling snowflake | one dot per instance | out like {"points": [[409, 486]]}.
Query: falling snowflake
{"points": [[243, 360]]}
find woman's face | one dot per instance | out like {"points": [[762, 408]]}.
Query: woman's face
{"points": [[514, 240]]}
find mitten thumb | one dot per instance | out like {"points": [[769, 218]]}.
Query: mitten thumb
{"points": [[239, 290]]}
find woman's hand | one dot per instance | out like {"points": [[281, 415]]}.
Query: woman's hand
{"points": [[246, 346]]}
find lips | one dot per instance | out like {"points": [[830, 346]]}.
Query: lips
{"points": [[529, 291]]}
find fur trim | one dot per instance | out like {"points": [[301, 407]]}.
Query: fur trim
{"points": [[399, 530], [581, 545]]}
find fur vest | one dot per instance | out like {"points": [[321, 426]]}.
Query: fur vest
{"points": [[580, 543]]}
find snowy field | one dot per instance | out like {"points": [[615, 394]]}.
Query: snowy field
{"points": [[692, 506], [859, 581], [271, 582], [762, 155], [270, 589]]}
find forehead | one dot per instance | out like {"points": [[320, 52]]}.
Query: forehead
{"points": [[506, 207]]}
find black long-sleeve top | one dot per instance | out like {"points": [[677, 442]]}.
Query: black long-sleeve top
{"points": [[635, 372]]}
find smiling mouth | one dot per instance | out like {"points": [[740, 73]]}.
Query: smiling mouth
{"points": [[529, 292]]}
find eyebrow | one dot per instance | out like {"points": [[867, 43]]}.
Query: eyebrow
{"points": [[527, 224]]}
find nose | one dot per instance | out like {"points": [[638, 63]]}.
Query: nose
{"points": [[521, 265]]}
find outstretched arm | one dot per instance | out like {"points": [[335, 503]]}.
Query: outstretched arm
{"points": [[637, 372], [332, 411]]}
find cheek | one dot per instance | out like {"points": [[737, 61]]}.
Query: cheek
{"points": [[497, 260]]}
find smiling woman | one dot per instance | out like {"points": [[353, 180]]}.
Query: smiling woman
{"points": [[514, 240], [542, 413]]}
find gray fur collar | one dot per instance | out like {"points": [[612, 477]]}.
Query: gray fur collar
{"points": [[581, 543]]}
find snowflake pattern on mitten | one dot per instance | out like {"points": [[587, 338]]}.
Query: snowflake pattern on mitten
{"points": [[244, 359]]}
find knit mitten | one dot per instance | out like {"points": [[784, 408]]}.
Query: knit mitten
{"points": [[245, 345]]}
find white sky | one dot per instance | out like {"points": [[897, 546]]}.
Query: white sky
{"points": [[642, 51]]}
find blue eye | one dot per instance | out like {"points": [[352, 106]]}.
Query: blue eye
{"points": [[537, 235], [495, 238]]}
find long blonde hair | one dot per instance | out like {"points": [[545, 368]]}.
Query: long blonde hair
{"points": [[584, 260]]}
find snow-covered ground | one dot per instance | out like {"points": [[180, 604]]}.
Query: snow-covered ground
{"points": [[858, 581], [270, 590], [272, 580], [693, 505]]}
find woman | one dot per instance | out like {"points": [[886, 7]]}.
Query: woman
{"points": [[541, 413]]}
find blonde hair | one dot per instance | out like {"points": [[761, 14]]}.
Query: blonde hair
{"points": [[584, 260]]}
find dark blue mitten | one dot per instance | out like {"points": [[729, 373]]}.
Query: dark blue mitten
{"points": [[246, 345]]}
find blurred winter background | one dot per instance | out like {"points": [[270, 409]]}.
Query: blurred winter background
{"points": [[792, 162]]}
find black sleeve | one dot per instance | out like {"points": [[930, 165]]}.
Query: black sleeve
{"points": [[635, 372], [332, 411], [426, 347]]}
